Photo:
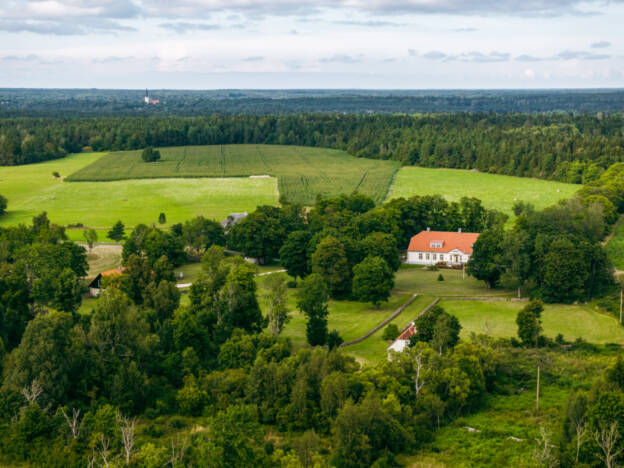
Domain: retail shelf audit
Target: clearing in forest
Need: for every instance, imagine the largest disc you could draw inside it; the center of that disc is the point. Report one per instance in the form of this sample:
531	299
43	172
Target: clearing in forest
302	172
495	191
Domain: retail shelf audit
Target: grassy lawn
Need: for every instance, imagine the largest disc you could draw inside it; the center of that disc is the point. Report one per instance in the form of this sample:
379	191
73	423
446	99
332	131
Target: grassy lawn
615	247
31	189
423	281
572	321
496	191
302	172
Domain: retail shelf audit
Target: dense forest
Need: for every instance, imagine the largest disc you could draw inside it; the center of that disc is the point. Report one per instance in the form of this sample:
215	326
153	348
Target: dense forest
100	102
565	147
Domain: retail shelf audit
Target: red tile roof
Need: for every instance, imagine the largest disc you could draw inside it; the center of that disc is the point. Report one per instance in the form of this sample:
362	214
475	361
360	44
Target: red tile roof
116	271
407	334
450	241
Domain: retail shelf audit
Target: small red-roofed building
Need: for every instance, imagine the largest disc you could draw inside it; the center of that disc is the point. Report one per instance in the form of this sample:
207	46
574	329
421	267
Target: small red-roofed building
95	287
432	247
402	340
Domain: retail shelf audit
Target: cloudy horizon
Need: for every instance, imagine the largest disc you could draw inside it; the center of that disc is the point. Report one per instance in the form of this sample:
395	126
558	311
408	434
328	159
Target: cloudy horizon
286	44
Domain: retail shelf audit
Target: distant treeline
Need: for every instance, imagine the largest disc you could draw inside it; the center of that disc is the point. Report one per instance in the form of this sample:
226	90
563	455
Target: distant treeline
98	102
571	148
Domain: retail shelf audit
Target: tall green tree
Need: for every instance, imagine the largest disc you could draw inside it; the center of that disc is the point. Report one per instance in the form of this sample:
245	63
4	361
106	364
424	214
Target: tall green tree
117	232
91	237
276	294
330	261
294	254
312	301
373	280
233	439
485	262
200	233
379	244
530	323
46	359
239	306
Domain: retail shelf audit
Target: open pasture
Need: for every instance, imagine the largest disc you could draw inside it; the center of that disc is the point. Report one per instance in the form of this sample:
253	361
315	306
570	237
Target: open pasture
572	321
496	191
302	173
32	189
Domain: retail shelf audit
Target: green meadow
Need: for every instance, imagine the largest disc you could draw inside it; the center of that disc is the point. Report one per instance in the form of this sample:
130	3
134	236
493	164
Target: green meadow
496	191
302	172
572	321
32	189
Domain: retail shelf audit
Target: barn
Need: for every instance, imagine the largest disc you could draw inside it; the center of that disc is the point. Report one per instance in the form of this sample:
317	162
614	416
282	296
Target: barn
95	287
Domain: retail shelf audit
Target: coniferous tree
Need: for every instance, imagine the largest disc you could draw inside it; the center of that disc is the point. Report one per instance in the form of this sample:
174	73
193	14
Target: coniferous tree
117	232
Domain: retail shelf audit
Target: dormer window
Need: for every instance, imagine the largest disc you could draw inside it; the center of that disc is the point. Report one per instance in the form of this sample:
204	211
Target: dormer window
436	244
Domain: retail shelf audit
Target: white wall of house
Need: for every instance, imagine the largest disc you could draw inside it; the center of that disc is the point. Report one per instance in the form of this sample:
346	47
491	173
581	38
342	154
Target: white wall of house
454	257
398	346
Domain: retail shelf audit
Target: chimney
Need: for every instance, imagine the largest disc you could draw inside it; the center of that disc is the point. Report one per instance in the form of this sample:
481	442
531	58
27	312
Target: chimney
428	229
459	230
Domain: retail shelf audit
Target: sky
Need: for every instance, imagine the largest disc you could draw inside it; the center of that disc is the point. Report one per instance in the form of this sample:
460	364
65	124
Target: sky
286	44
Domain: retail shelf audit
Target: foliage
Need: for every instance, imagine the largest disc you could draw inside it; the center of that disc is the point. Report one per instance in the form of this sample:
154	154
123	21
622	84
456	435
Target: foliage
261	234
530	323
485	263
117	232
372	280
276	295
438	328
329	260
149	154
90	236
294	254
391	332
200	233
312	301
3	204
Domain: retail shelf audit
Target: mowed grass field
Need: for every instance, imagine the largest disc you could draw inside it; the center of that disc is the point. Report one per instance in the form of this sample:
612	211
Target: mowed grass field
572	321
32	189
496	191
302	172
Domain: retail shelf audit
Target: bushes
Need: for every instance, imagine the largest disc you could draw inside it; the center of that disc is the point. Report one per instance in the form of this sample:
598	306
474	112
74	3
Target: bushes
390	333
149	154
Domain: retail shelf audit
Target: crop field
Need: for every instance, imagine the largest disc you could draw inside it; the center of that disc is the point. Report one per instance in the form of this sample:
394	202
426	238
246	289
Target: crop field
496	191
32	189
302	173
572	321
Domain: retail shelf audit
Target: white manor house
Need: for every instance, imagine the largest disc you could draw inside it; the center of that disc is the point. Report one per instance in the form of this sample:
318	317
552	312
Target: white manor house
431	247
